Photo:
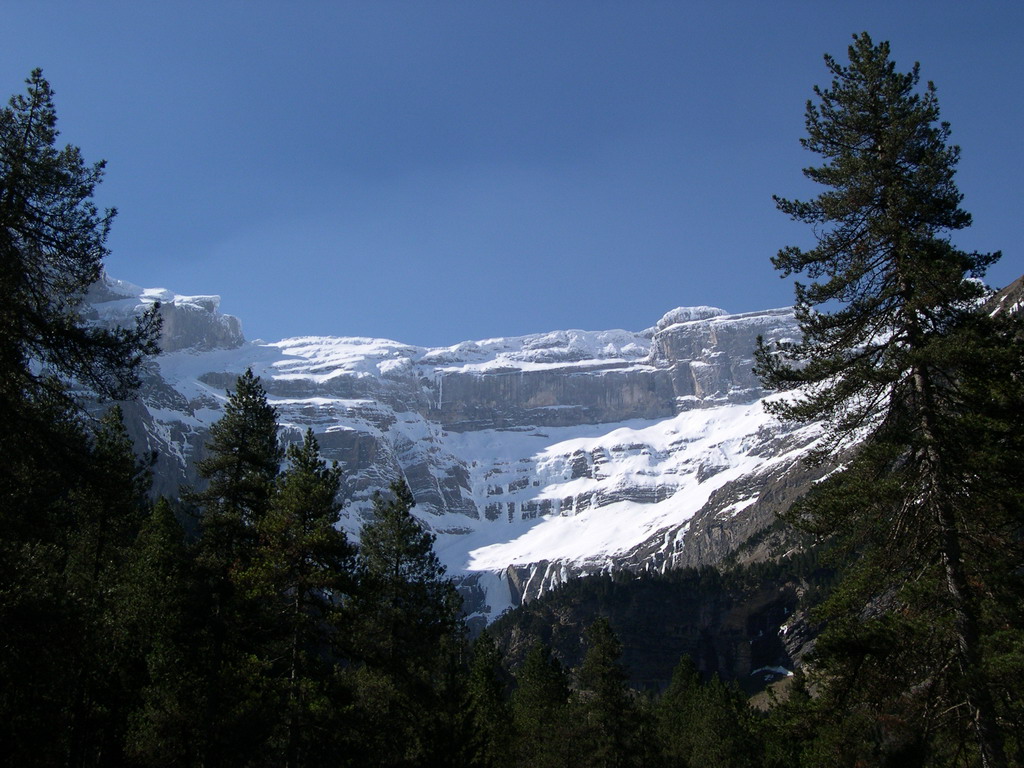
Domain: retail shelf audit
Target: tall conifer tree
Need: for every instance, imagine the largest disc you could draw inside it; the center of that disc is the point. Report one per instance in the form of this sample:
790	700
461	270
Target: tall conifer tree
52	245
407	628
489	712
678	712
611	715
244	458
160	600
242	465
107	511
411	603
53	242
545	737
302	572
891	337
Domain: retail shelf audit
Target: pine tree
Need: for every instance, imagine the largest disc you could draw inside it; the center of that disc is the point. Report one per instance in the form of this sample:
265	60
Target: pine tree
892	348
243	461
242	465
302	570
488	705
407	625
109	510
608	706
106	512
722	728
541	712
52	246
413	604
161	604
704	723
52	243
787	730
64	663
677	714
244	458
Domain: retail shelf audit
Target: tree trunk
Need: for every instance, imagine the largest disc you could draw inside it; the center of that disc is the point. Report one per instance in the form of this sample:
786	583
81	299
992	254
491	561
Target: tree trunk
965	615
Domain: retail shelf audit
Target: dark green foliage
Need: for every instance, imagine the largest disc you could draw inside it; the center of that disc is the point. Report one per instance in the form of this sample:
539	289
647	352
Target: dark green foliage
407	601
896	352
109	508
302	572
677	714
161	598
52	246
64	665
610	714
723	728
53	473
601	674
447	724
888	285
787	731
242	465
487	703
243	459
727	622
407	637
106	514
702	724
545	733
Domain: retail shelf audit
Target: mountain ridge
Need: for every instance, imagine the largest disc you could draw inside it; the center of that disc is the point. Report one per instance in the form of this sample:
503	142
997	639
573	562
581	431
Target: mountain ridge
533	459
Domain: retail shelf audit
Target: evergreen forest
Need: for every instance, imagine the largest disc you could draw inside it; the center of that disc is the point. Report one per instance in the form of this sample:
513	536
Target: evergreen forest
237	625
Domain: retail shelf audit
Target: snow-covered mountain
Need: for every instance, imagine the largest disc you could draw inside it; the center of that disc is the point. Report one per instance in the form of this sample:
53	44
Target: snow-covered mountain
533	459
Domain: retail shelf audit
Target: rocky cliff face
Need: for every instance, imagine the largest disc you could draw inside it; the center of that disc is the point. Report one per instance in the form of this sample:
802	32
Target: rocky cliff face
534	459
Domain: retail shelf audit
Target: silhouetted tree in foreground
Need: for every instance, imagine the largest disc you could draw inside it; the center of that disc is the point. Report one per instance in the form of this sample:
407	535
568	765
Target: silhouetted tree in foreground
896	354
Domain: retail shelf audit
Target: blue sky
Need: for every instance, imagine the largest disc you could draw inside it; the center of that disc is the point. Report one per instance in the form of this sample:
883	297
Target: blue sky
439	171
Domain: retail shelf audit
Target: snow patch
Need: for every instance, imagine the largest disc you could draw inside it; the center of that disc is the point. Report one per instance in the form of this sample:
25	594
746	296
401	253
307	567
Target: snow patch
688	314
